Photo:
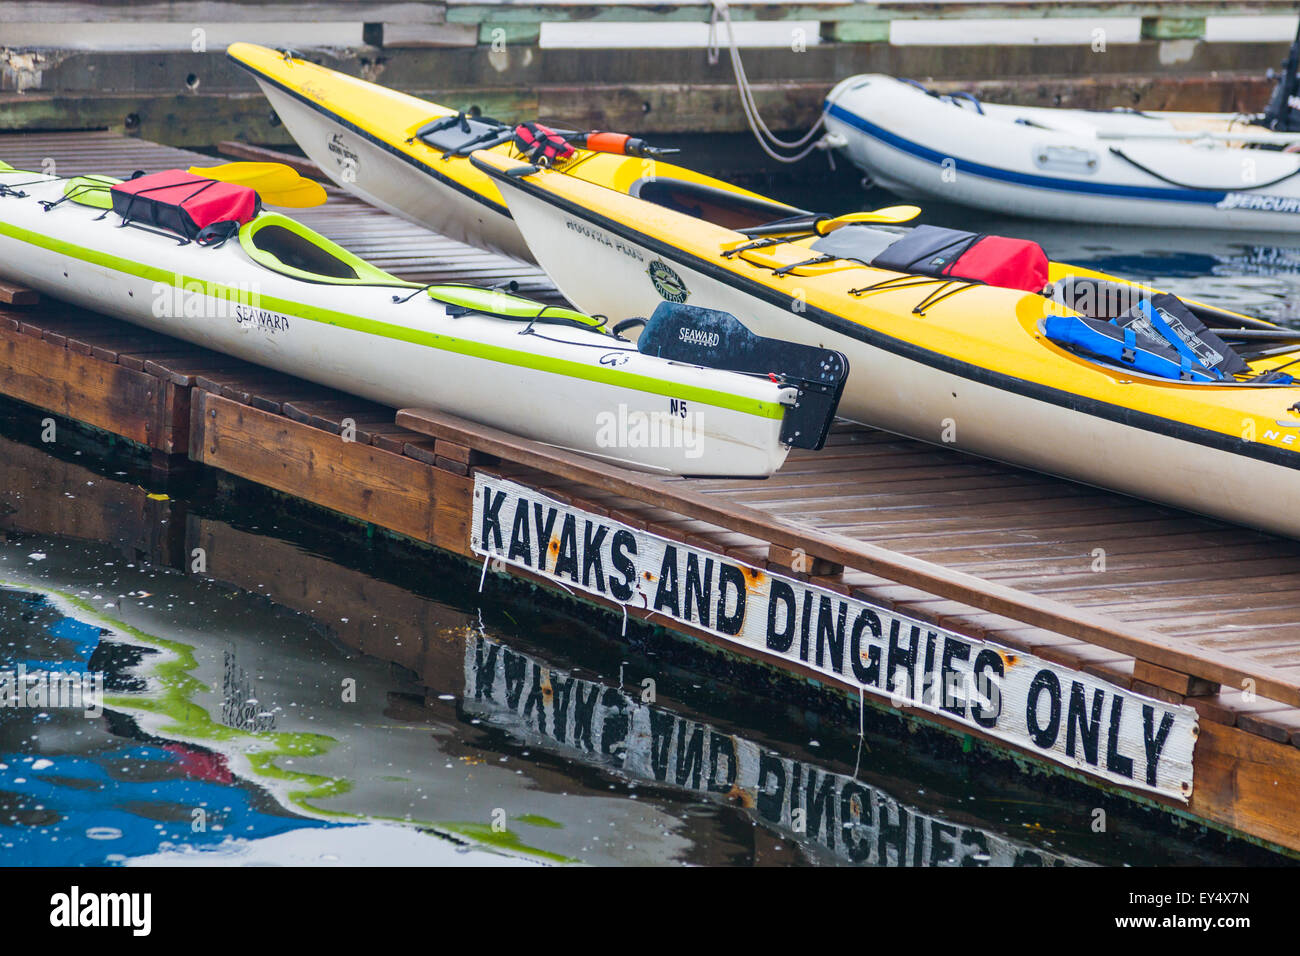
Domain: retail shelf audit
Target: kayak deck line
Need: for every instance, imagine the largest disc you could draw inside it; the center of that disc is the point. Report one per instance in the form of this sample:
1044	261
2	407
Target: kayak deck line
964	545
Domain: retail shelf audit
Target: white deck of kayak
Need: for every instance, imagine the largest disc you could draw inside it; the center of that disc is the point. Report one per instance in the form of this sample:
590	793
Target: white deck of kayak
1184	608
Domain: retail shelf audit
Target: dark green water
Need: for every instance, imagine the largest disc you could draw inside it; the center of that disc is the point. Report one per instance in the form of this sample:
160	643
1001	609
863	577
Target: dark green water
316	693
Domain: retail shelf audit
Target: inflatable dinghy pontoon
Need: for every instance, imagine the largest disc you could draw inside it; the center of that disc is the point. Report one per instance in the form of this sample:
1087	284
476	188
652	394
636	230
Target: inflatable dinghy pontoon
1125	167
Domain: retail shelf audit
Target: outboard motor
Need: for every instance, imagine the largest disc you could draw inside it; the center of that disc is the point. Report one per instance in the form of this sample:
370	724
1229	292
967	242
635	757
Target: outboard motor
713	339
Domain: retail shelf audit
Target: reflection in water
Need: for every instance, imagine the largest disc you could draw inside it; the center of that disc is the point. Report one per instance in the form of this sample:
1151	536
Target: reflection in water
348	701
829	813
76	790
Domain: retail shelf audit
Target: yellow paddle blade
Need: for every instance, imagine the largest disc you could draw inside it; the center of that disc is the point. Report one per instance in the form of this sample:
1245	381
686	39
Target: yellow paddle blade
302	196
276	183
4	165
888	215
273	175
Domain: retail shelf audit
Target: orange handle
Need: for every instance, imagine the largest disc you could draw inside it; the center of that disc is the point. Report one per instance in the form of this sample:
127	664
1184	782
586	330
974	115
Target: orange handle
608	142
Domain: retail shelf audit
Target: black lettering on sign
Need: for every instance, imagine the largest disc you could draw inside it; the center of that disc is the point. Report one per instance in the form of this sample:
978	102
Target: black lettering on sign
805	626
900	658
1077	720
953	649
699	591
730	578
1155	742
866	674
543	532
624	543
830	636
566	562
520	535
1044	735
666	596
931	640
591	546
987	663
1115	761
490	526
781	595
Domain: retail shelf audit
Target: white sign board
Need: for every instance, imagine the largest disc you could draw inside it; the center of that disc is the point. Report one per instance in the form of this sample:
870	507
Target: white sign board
1064	715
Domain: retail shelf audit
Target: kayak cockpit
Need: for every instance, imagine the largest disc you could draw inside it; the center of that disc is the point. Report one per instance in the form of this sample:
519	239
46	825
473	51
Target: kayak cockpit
722	207
1158	335
288	247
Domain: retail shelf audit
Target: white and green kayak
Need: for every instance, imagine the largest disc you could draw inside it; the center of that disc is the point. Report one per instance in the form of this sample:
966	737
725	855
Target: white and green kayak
280	295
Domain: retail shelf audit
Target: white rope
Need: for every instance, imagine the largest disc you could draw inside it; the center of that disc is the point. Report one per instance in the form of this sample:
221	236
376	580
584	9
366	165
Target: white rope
761	132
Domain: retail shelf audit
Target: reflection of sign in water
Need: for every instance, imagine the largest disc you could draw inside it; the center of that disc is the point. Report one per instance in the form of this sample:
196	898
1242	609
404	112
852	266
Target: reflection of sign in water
840	815
240	707
1061	714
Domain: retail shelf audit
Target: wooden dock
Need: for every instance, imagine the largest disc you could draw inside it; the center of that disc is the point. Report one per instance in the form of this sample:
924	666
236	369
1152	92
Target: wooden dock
1123	604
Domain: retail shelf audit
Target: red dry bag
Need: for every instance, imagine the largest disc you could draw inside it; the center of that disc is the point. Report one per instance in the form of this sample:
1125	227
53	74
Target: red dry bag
200	209
1002	262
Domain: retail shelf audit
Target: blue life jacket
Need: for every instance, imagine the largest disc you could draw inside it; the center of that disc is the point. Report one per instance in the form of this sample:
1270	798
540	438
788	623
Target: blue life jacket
1119	346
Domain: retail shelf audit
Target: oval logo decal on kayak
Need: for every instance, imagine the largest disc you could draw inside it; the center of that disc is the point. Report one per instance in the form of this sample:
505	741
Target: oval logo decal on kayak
667	282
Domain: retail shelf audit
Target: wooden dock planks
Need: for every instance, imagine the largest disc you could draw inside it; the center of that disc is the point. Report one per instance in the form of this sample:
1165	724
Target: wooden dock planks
354	479
107	395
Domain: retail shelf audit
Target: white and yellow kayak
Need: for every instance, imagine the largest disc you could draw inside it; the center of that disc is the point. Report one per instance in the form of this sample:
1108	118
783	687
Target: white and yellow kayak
410	157
282	296
1006	373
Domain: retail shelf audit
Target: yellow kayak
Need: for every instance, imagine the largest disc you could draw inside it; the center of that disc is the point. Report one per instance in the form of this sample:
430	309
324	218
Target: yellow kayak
1054	373
410	157
1007	373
